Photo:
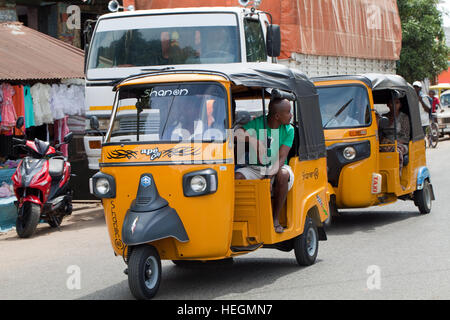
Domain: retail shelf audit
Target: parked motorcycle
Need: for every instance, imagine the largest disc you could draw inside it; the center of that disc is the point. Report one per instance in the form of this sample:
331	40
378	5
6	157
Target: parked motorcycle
41	184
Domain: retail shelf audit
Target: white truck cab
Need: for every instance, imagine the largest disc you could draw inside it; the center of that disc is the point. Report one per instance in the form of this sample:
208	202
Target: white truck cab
134	42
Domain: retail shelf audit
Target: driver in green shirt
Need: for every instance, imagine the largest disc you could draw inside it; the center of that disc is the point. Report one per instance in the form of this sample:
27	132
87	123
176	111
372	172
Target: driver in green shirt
269	159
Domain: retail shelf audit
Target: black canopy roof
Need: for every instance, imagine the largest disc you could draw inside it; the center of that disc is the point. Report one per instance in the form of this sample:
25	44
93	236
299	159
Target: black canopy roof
274	76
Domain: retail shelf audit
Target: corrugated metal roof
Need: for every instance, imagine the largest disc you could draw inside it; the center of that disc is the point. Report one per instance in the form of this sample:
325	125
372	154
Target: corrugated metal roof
26	54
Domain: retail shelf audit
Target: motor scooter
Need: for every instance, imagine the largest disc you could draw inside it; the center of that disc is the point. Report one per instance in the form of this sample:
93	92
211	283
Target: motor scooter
41	184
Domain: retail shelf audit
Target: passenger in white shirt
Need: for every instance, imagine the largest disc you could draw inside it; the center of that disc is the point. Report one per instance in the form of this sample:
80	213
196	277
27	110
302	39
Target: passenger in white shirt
424	106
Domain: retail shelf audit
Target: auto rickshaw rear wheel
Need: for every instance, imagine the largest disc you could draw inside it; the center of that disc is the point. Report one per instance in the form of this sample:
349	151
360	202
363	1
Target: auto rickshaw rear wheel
422	198
306	245
144	272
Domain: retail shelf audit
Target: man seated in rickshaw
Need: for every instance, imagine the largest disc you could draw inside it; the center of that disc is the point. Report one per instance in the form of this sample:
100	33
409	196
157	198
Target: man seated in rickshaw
387	135
281	175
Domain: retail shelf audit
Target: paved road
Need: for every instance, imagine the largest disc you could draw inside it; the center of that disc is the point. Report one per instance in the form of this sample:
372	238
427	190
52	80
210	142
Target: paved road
410	254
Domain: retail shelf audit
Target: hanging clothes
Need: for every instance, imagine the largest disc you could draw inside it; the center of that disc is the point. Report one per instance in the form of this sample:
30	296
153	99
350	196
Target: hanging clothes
61	128
74	100
18	106
56	104
41	102
8	112
28	105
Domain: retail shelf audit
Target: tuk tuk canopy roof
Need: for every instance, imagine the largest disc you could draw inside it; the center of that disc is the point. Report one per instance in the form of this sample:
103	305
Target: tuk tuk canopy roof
274	76
378	82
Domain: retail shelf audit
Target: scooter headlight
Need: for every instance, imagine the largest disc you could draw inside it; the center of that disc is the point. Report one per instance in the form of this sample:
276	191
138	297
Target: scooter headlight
102	186
349	153
198	184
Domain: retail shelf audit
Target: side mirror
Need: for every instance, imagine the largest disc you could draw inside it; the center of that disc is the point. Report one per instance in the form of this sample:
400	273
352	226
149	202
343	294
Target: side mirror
94	124
383	123
242	117
68	137
273	41
20	122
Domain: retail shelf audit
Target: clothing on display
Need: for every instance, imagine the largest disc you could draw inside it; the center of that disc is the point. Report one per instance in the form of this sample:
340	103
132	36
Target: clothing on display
28	103
8	112
41	102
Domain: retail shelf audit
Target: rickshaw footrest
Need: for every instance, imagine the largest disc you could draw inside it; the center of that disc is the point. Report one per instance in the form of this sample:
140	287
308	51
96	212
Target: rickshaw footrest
252	247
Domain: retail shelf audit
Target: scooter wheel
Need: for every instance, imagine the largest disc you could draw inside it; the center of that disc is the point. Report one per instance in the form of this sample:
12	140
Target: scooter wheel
144	272
26	224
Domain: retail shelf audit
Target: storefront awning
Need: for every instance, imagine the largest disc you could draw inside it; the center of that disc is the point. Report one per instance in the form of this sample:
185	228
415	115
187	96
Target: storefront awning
26	54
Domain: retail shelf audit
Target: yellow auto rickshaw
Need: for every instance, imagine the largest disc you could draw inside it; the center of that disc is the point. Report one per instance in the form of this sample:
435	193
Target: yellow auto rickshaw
176	198
363	169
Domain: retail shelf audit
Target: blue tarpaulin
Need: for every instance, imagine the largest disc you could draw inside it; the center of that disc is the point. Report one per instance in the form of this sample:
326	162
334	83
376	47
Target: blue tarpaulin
8	211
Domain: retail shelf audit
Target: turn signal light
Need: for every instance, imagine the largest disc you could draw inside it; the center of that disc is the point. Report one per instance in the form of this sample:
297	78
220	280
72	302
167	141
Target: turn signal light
95	144
356	133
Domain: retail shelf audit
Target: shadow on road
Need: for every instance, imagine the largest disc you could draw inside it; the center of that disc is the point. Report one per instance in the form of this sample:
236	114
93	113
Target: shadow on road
367	221
213	281
76	221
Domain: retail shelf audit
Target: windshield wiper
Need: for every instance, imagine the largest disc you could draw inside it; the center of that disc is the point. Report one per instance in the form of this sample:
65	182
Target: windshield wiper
158	69
341	109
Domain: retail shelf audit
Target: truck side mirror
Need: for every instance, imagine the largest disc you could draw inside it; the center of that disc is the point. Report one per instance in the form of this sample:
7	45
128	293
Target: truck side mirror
273	41
93	123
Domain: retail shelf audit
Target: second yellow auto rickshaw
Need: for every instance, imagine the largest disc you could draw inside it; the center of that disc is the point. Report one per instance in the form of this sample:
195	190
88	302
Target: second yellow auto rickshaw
364	170
167	171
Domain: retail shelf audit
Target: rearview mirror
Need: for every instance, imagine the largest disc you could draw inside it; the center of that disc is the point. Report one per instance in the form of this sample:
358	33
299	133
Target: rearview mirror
68	137
383	123
273	42
20	122
93	123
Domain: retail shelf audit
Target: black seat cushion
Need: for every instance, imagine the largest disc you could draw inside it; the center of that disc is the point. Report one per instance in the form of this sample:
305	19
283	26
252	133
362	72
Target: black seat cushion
56	167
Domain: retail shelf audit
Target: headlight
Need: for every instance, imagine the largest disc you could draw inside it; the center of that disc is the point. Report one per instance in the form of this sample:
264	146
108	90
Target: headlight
349	153
198	184
102	186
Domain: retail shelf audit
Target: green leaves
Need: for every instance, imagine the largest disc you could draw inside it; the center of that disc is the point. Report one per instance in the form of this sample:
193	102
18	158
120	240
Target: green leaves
424	52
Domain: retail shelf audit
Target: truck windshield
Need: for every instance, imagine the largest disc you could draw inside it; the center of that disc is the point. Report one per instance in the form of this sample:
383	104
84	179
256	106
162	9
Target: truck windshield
344	106
173	112
171	39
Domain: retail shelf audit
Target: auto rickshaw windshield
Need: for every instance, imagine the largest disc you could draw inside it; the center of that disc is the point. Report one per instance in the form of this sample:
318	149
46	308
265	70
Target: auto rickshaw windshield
170	112
344	106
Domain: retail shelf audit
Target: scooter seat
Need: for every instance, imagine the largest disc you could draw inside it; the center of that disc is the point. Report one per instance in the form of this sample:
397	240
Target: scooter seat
56	167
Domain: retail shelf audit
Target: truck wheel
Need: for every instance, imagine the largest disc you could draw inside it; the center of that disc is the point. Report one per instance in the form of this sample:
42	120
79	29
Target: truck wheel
27	223
422	198
306	245
144	272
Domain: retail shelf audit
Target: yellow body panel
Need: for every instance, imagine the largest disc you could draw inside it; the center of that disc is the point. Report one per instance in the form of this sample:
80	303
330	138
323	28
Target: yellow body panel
239	213
355	180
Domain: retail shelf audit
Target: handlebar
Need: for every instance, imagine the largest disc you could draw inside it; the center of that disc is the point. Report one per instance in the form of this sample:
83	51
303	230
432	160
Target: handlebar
19	141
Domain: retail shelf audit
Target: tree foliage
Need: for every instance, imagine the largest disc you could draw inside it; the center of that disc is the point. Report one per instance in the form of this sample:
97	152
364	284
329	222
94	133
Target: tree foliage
424	51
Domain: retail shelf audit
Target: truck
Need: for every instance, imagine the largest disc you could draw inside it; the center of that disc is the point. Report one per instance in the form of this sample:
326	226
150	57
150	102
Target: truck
318	37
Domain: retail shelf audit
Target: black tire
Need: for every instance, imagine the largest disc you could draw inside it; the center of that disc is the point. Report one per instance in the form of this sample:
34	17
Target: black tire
423	198
56	221
144	285
306	245
26	225
434	134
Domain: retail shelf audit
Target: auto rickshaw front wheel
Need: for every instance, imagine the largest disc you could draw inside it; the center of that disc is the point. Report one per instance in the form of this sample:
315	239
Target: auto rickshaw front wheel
144	272
306	245
422	198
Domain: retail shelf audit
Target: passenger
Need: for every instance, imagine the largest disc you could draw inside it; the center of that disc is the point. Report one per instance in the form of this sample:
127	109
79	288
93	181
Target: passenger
403	131
424	106
184	121
281	175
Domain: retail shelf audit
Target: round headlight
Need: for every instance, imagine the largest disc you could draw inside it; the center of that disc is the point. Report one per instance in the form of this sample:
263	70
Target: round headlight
198	184
349	153
102	186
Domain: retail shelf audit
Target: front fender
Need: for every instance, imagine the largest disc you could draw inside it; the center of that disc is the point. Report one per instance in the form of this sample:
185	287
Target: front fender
423	174
144	227
30	198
